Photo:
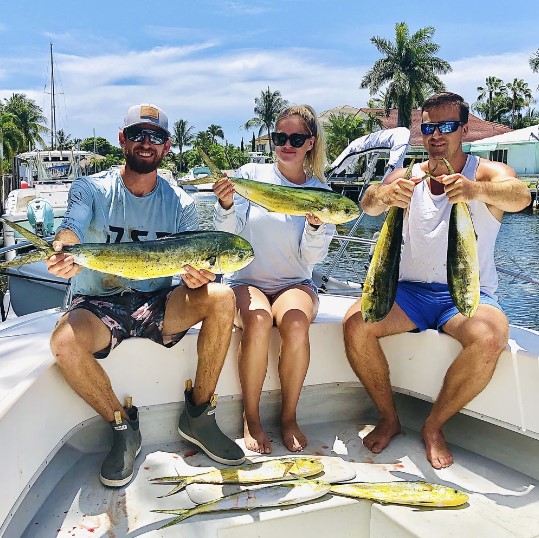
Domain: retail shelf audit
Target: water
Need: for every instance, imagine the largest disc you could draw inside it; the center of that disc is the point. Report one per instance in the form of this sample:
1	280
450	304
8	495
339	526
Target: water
516	250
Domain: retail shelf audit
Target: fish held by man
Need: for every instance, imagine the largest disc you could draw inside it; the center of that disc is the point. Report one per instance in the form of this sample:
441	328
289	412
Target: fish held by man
255	473
462	258
219	252
380	287
281	494
409	493
328	206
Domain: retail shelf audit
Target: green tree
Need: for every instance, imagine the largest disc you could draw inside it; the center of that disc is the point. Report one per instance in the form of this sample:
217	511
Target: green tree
204	140
340	130
11	138
215	131
101	146
267	107
182	136
494	87
521	96
409	69
30	120
534	62
63	140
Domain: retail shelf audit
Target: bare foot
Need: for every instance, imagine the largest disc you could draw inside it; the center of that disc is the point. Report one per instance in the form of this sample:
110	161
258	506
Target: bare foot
293	437
437	452
255	438
379	438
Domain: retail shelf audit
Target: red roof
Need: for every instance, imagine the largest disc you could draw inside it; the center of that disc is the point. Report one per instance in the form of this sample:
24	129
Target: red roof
477	128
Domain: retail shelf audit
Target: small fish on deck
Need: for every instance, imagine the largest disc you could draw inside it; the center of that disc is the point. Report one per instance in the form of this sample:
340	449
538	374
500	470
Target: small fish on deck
281	494
271	470
327	205
219	252
404	492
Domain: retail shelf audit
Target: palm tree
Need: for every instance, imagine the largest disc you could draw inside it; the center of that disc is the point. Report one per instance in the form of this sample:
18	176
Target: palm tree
410	70
11	137
267	107
521	96
534	61
182	136
204	140
493	87
30	119
63	140
216	131
340	130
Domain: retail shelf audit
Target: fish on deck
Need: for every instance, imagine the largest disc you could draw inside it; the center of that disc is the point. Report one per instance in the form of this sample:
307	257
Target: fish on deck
219	252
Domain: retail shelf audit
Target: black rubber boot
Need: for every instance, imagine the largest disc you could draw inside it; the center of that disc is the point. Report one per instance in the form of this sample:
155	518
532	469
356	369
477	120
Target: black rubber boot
198	425
117	469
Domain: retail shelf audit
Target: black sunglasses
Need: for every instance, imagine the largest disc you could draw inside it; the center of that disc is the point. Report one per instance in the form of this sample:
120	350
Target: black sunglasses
296	139
138	134
444	127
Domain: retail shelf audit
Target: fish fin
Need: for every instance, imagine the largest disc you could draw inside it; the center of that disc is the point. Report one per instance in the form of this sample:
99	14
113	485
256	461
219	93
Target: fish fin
37	241
174	490
215	171
183	513
31	257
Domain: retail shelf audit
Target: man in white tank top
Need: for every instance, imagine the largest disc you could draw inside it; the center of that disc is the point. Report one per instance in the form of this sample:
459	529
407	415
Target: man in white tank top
423	300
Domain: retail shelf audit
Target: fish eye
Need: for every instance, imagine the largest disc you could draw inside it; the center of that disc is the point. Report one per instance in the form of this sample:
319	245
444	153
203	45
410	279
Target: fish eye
211	260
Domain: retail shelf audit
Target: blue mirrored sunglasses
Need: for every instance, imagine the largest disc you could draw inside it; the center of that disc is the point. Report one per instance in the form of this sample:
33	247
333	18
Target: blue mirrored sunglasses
138	134
444	127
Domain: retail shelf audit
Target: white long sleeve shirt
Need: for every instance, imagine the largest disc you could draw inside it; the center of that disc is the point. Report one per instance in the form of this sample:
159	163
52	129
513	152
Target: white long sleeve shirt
286	247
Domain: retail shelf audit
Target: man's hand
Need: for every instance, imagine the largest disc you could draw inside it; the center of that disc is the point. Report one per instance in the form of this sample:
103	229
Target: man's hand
398	193
62	265
195	279
458	188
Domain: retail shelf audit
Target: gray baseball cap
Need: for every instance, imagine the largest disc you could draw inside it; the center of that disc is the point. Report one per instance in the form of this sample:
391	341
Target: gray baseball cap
146	113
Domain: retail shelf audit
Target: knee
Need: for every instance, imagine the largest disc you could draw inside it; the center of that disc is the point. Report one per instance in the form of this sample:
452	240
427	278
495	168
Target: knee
63	343
354	328
295	329
493	342
222	299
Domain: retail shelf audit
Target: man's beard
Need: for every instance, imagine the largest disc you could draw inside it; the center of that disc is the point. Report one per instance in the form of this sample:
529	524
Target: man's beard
140	166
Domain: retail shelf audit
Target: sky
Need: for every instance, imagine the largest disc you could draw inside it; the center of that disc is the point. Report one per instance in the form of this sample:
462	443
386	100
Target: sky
205	61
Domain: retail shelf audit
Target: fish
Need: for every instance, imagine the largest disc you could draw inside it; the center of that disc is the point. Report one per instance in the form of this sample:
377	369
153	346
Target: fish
280	494
271	470
410	493
462	258
219	252
380	287
328	206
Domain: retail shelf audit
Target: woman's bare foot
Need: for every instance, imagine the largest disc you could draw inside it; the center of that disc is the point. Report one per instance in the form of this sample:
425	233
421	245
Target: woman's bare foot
379	438
293	437
437	452
255	438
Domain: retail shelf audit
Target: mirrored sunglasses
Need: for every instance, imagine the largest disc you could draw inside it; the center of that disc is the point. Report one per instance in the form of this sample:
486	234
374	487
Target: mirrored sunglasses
296	139
138	134
444	127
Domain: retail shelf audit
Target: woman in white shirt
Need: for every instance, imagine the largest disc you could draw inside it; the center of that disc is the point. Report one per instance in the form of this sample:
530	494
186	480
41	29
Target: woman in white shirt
277	287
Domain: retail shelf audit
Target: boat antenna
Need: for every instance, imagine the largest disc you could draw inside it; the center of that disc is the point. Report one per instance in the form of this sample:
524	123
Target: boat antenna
53	105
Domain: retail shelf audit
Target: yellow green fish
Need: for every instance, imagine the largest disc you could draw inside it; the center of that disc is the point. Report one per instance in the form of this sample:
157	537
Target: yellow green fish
219	252
281	494
462	258
255	473
380	287
410	493
327	205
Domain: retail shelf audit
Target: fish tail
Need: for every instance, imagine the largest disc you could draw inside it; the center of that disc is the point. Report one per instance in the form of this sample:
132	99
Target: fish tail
215	171
183	513
175	489
37	241
31	257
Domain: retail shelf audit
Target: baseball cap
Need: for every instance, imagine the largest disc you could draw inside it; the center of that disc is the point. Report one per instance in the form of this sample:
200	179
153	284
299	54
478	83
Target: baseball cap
146	113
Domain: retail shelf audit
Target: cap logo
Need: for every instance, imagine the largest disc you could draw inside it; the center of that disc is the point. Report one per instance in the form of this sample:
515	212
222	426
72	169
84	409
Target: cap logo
149	112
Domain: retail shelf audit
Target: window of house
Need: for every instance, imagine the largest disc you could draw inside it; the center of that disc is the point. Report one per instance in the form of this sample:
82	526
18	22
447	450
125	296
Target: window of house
499	155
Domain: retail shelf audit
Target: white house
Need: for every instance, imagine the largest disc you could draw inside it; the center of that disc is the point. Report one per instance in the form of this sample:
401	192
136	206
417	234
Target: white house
519	149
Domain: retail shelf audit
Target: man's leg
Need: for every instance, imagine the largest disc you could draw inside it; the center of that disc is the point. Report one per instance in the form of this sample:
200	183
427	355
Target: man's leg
483	337
370	365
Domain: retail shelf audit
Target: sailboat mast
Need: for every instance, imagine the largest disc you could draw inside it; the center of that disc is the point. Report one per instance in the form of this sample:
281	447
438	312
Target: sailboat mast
53	106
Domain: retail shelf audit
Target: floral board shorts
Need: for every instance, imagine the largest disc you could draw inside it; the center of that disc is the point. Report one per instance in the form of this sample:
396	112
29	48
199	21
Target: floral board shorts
130	314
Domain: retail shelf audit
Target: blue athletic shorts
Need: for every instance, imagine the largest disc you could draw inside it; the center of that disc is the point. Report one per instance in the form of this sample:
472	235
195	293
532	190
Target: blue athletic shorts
130	314
430	306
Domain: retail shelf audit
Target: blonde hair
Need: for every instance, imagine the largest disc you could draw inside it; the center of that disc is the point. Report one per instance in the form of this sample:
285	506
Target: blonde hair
315	159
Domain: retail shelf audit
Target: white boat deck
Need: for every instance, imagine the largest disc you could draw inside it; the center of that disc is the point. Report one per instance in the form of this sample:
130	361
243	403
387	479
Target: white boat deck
53	443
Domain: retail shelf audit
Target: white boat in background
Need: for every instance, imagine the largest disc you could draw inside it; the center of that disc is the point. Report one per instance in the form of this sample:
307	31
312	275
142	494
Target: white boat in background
196	173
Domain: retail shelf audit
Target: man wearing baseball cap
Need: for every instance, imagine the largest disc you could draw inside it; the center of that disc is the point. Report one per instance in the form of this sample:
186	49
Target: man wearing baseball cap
135	204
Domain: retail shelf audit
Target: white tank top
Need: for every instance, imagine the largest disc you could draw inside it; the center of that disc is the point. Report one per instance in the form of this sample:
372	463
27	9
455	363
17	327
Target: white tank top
426	223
